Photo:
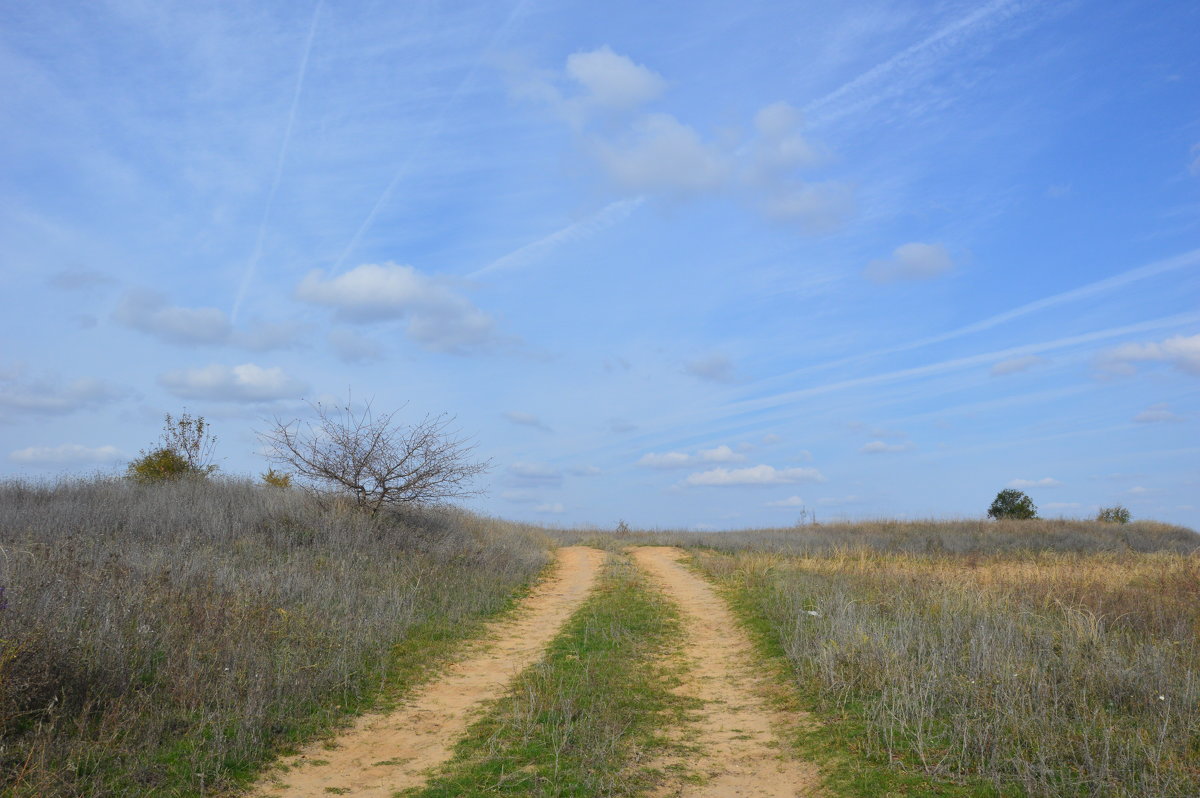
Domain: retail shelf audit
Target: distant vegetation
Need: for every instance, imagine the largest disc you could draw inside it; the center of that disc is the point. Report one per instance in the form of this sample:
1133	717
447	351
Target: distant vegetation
1013	505
1037	657
165	638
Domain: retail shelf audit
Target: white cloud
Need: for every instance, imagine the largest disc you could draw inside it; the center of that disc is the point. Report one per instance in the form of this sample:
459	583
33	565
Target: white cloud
519	496
148	312
535	473
813	207
1157	413
881	447
584	471
645	152
755	475
526	420
718	454
550	507
714	368
1044	482
665	460
1015	365
48	396
912	261
438	318
662	155
614	81
1182	352
791	501
65	454
779	144
350	347
245	383
771	438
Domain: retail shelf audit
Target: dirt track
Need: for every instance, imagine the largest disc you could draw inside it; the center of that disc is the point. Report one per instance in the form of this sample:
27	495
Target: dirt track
385	753
737	751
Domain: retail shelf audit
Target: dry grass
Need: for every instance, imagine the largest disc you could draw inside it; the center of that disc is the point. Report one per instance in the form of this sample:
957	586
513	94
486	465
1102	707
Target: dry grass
1047	674
164	639
965	537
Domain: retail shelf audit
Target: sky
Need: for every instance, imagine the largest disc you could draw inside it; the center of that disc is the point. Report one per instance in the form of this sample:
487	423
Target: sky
706	265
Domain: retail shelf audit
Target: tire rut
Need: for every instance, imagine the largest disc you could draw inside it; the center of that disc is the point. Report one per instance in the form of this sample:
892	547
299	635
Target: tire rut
733	741
385	753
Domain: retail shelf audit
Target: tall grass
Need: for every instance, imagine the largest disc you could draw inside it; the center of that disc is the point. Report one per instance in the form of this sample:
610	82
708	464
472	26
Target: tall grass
164	639
1043	674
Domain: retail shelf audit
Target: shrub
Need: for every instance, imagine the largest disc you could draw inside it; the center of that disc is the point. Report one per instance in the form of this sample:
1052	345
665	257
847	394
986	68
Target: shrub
277	479
1117	514
185	449
158	465
1012	504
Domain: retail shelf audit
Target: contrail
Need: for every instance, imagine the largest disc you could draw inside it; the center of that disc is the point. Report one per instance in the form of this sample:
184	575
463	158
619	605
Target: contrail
434	128
941	40
606	217
1181	261
252	266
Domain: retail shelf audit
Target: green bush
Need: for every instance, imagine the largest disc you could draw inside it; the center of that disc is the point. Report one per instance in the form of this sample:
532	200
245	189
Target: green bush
1117	514
277	479
1012	504
184	450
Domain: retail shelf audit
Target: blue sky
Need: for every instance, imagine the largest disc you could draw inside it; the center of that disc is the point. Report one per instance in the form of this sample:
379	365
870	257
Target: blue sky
703	265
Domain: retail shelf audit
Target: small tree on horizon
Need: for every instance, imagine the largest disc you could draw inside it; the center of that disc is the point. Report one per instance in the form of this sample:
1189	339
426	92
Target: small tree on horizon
373	459
1117	514
1011	503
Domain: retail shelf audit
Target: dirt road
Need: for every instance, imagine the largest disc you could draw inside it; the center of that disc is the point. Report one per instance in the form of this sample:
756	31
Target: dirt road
737	750
385	753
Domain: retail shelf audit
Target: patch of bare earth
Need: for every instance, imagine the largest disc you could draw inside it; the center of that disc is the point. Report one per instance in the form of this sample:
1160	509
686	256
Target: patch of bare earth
382	754
734	740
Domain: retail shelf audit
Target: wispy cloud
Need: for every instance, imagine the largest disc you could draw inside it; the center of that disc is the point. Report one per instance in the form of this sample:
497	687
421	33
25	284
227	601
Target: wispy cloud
1044	482
247	382
526	420
754	475
66	454
1182	352
609	215
912	261
436	316
717	454
910	66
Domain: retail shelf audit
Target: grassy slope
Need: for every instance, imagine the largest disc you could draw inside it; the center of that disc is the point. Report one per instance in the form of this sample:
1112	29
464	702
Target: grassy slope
586	719
167	640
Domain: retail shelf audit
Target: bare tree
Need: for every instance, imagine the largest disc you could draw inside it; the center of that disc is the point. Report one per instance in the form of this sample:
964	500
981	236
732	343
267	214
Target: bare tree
379	462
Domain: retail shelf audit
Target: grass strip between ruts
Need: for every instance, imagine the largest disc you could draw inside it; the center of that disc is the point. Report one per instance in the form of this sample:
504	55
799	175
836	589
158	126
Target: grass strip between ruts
587	719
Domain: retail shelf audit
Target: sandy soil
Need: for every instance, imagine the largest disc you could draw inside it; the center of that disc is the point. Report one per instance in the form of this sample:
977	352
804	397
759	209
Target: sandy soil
385	753
735	747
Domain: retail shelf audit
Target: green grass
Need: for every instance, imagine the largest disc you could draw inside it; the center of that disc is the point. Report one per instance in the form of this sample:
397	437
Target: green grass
588	718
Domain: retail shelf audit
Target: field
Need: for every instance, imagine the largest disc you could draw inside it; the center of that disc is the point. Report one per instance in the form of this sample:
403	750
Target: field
177	639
